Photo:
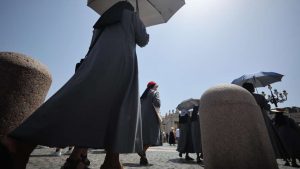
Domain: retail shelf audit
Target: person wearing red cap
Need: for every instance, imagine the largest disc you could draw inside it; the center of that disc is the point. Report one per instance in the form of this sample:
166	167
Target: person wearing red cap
150	104
151	84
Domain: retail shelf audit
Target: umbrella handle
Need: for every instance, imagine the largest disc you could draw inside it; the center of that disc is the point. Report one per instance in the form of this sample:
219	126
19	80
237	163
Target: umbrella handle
273	98
137	7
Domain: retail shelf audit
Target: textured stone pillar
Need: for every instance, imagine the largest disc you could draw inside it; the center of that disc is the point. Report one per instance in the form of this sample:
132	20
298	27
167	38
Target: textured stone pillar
234	135
24	83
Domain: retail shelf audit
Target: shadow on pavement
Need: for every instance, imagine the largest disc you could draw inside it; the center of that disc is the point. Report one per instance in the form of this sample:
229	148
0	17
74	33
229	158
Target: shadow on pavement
97	151
182	160
43	155
135	165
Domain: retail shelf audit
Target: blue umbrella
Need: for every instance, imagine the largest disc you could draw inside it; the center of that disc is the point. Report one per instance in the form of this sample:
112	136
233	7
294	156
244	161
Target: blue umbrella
260	79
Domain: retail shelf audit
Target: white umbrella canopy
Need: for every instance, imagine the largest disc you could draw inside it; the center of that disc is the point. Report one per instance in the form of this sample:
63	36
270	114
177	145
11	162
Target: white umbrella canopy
188	104
151	12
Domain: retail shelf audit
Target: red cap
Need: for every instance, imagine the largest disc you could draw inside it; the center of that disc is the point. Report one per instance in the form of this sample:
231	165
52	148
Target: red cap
151	83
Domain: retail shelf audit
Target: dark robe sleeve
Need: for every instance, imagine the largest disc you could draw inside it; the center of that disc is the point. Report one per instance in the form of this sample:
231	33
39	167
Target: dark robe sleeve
156	100
141	35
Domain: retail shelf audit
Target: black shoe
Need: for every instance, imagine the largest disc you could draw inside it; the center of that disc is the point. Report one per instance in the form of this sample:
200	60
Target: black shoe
85	160
5	159
73	164
286	163
144	161
295	165
141	154
199	160
188	158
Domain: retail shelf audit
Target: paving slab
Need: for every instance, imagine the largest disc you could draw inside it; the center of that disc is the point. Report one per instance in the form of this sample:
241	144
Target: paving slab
162	157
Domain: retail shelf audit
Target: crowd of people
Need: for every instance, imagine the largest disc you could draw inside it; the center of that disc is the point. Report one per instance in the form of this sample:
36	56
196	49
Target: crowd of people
283	131
187	136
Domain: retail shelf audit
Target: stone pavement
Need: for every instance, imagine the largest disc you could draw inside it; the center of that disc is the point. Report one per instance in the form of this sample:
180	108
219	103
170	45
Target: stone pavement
164	157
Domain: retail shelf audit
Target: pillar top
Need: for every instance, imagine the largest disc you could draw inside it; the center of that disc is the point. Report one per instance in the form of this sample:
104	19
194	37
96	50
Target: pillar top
24	61
226	94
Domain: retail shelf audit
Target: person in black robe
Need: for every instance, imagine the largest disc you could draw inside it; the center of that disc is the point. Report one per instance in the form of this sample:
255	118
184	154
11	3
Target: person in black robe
185	143
289	132
101	99
276	142
196	133
77	151
167	137
150	104
172	137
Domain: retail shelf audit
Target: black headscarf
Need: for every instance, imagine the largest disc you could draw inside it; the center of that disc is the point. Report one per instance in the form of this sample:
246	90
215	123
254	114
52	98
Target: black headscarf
113	14
280	119
78	64
144	95
249	87
195	113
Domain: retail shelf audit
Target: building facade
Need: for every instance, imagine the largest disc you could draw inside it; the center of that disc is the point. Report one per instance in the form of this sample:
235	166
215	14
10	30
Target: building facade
171	119
292	112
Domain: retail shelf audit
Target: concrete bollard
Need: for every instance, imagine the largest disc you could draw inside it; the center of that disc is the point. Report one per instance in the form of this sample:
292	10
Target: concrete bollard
234	135
24	83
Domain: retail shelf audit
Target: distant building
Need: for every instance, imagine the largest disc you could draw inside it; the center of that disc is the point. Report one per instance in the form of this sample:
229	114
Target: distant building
171	119
293	112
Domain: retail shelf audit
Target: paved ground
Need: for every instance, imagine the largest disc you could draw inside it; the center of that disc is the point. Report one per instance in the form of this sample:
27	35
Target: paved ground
164	157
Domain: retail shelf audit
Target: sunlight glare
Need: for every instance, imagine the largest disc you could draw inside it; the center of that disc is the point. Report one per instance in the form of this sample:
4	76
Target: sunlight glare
206	7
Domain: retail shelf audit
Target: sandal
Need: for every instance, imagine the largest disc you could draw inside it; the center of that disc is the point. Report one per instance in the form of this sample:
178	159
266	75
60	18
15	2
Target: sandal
6	160
85	160
72	164
144	161
199	160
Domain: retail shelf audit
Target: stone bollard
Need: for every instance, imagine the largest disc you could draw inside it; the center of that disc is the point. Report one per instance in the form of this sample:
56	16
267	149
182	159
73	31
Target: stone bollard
24	83
234	135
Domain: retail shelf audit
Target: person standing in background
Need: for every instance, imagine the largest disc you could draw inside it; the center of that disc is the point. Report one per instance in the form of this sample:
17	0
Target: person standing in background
185	144
167	137
151	120
276	141
289	132
177	134
196	133
172	137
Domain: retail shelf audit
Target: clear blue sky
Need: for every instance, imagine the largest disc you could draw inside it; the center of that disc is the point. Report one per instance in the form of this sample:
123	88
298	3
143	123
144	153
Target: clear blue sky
208	42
